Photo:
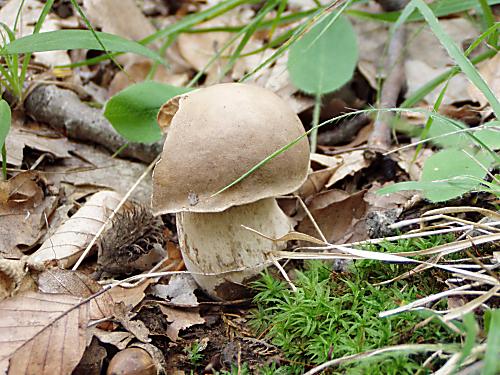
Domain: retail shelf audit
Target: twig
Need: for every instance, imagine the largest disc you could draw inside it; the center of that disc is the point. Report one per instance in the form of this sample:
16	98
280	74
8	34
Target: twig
64	111
381	135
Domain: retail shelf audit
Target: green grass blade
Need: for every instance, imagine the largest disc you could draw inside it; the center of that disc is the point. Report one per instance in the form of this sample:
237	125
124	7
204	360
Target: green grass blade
76	39
489	19
453	50
5	120
423	91
441	8
491	362
38	26
173	29
249	30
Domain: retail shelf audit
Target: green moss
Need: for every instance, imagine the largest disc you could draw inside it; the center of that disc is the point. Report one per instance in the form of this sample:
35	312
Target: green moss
332	315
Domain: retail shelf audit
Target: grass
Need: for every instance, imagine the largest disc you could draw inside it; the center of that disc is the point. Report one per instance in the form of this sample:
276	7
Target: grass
333	315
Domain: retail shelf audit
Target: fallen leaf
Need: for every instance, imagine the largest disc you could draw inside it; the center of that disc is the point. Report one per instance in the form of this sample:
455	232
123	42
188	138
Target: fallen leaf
345	164
14	278
42	333
180	319
137	71
93	170
23	212
130	297
336	212
427	58
179	291
92	360
135	327
316	182
199	49
77	284
118	339
65	246
20	137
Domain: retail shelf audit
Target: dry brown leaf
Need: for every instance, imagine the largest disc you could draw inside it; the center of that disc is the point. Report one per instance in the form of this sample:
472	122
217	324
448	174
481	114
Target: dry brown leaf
344	164
135	327
65	246
23	210
77	284
130	297
180	319
137	71
14	278
381	202
199	49
426	58
42	333
93	169
130	24
20	137
122	18
92	360
179	291
316	182
336	213
118	339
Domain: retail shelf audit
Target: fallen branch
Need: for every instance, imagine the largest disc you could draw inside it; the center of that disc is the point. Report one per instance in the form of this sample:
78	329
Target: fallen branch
392	86
64	111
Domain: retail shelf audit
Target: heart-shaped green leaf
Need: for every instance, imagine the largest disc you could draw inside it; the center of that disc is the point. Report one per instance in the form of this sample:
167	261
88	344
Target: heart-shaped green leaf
133	111
324	59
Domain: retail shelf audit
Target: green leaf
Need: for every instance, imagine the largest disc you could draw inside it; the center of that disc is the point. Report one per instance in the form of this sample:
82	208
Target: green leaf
76	39
491	362
441	127
447	174
324	59
133	111
490	137
5	119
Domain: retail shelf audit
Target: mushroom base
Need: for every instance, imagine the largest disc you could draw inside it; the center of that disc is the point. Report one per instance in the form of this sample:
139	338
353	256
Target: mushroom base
216	243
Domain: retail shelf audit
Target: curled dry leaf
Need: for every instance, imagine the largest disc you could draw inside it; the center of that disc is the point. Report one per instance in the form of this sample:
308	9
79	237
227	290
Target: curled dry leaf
14	278
345	164
118	339
135	327
68	242
23	210
180	319
42	333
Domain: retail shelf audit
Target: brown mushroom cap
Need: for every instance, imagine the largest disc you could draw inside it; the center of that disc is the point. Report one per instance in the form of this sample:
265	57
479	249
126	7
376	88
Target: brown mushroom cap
218	133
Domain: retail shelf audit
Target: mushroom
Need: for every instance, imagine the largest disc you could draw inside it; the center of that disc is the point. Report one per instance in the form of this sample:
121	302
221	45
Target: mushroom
215	135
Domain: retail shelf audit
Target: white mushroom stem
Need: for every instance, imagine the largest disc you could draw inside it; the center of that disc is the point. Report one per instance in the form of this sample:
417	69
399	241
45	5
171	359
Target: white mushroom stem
217	243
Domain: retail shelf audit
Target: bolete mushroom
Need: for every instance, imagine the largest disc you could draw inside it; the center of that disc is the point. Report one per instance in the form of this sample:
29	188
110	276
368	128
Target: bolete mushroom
215	135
